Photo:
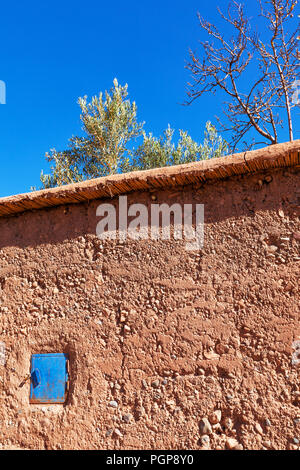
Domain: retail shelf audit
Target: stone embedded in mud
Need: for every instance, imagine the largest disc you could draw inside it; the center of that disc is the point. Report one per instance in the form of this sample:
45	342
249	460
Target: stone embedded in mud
222	348
258	428
228	423
145	385
123	316
155	384
127	418
210	355
205	440
272	248
232	444
215	417
118	433
205	426
113	404
292	446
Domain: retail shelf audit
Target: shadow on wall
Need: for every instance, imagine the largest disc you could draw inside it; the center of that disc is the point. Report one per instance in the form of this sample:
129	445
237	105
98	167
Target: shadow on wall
238	197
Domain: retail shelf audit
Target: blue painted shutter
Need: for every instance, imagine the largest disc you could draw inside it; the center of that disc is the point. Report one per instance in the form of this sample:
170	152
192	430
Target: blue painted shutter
49	378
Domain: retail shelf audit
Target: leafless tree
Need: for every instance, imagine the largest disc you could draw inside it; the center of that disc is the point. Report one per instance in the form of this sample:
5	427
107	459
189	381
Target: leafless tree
263	99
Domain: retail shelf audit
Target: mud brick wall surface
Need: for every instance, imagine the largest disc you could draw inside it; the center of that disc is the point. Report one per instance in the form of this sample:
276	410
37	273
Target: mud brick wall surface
169	349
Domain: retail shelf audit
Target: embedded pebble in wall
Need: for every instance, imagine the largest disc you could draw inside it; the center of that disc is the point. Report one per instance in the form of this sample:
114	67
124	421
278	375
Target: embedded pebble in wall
215	417
205	426
205	441
118	433
128	418
155	384
113	404
258	428
232	444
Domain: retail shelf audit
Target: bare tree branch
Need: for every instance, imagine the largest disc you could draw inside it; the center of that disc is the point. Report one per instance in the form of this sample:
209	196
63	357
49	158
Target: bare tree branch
273	64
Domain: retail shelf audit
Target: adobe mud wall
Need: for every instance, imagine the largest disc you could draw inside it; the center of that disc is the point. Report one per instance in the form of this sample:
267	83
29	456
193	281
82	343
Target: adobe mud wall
169	349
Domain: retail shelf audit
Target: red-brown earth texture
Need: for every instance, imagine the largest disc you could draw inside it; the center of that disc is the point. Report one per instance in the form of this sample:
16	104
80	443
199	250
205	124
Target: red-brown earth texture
169	349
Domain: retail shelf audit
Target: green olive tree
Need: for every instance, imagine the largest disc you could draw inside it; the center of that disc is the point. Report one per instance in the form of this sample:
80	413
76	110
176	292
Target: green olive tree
110	128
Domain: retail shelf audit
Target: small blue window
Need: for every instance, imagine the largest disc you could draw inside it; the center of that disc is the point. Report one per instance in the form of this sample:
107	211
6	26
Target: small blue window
49	378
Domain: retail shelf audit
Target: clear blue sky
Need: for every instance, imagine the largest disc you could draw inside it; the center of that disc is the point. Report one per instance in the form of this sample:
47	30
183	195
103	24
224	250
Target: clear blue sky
54	52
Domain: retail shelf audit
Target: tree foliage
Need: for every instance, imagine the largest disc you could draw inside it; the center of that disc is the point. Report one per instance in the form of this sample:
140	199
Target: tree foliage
159	152
109	124
110	128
